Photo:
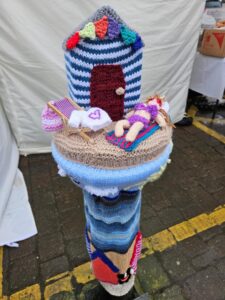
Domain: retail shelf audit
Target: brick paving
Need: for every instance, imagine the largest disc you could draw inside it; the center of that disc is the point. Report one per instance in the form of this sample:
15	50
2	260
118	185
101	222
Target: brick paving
193	269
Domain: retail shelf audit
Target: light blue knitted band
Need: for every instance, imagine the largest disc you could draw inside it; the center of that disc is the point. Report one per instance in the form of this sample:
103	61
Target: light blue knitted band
104	178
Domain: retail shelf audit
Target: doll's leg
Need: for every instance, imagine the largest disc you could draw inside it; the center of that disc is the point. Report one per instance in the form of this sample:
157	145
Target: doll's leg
120	126
161	121
133	131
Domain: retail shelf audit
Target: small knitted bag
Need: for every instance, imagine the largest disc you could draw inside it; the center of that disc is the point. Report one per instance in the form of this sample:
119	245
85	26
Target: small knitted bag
50	121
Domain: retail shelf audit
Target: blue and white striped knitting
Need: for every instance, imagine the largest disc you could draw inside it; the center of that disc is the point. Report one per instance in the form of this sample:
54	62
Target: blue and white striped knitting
90	52
81	60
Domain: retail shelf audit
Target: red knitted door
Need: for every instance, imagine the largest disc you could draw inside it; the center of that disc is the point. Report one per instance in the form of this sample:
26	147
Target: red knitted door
105	82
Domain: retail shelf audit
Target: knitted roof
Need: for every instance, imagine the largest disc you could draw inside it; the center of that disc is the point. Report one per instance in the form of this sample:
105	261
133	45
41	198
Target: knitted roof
111	16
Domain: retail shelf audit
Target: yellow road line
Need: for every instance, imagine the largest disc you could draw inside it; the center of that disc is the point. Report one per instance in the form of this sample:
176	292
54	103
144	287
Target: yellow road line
210	131
216	121
192	112
32	292
158	242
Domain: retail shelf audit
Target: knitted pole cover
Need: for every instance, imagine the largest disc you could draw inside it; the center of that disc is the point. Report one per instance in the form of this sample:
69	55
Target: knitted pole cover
103	66
113	239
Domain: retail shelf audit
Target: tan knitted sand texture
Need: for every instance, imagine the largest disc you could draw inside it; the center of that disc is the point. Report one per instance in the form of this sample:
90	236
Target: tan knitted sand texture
102	154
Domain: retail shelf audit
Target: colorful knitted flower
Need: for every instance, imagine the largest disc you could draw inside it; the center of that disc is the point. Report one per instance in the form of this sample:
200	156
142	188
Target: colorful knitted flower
128	36
88	31
101	27
113	28
73	41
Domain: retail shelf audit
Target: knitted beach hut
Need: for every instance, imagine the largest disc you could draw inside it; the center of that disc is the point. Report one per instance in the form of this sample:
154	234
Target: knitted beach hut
103	63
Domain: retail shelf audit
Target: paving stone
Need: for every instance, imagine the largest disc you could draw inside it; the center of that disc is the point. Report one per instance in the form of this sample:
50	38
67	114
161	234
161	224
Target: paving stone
220	149
176	264
170	216
42	198
203	198
25	248
219	196
181	198
76	251
70	200
206	285
151	226
73	223
213	185
218	243
62	184
210	233
160	202
151	275
42	180
147	212
63	296
172	293
192	247
221	268
50	246
191	211
47	219
23	272
54	267
205	259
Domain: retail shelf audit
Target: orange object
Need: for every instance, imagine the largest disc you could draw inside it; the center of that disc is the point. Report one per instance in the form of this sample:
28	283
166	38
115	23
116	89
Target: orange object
101	27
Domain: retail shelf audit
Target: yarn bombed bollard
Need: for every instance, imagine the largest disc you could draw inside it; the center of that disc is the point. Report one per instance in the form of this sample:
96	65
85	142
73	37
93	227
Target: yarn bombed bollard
103	64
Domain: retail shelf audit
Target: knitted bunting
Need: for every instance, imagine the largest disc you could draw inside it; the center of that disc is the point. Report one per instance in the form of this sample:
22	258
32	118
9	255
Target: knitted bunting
101	27
113	28
73	41
138	44
88	31
128	36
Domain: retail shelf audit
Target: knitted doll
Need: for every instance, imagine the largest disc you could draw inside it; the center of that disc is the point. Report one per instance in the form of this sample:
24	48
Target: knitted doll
140	118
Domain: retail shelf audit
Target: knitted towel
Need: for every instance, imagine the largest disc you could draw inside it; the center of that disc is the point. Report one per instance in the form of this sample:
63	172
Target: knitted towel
130	146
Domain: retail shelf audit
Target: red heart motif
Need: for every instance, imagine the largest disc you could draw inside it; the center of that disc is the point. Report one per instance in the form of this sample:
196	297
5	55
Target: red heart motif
95	115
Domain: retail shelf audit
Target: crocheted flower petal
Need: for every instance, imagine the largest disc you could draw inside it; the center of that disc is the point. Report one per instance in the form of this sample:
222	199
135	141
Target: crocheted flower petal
88	31
128	36
73	41
113	28
101	27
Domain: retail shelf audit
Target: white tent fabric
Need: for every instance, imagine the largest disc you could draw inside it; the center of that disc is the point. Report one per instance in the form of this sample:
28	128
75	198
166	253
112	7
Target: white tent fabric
32	62
16	218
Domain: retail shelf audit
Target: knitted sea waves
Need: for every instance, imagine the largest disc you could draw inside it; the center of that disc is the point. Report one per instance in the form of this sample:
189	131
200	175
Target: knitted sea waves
113	238
113	226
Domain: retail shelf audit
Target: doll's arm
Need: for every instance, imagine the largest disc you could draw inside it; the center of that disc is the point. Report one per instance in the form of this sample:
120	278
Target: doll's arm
129	114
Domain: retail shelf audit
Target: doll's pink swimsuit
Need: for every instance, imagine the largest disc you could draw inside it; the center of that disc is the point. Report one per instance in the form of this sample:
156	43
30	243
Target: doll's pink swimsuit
153	110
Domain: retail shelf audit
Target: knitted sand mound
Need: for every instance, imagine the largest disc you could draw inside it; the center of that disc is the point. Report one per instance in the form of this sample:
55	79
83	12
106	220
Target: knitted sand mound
102	154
